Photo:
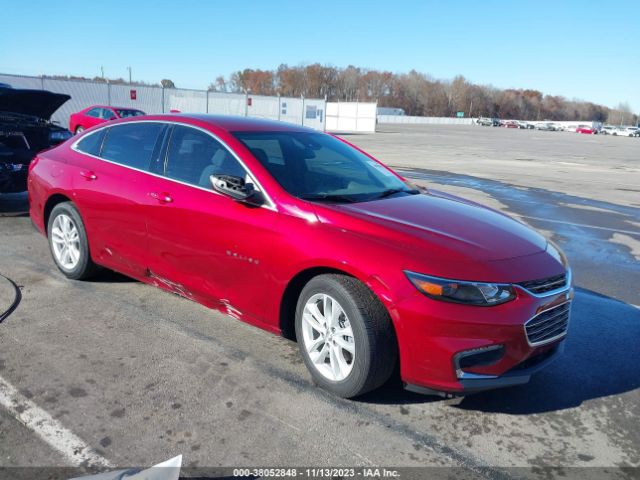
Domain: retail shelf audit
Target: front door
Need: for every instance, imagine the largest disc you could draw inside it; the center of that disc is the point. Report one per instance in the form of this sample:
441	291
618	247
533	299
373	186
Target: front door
202	244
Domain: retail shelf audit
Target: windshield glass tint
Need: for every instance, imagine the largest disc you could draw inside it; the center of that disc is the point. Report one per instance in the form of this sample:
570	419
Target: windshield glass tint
316	166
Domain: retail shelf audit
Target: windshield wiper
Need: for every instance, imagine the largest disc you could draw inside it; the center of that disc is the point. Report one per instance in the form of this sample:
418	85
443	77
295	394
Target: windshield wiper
393	191
328	198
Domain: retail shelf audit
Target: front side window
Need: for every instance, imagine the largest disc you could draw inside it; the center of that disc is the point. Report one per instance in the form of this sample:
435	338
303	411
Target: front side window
316	166
108	114
132	144
128	112
194	156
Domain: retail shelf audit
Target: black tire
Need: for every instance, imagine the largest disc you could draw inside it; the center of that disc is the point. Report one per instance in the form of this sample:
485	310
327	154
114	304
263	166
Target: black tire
373	334
85	267
79	129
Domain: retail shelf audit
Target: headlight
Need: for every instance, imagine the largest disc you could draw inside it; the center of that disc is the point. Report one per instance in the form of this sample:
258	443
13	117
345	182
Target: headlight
468	293
58	136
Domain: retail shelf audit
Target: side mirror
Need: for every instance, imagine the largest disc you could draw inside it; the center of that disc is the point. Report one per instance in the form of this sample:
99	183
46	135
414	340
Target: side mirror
236	188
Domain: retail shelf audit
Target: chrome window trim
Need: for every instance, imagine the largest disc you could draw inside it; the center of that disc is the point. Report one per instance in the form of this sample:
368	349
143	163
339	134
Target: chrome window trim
553	339
550	293
270	203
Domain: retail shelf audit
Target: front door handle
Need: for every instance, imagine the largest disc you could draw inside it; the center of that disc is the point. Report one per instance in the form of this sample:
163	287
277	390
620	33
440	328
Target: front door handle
161	197
89	175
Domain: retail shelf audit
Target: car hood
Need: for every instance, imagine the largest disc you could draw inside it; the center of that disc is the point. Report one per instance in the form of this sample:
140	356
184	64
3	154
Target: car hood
39	103
436	225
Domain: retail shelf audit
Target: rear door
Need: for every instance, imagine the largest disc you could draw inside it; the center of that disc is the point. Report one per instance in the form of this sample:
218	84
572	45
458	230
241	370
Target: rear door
110	175
202	244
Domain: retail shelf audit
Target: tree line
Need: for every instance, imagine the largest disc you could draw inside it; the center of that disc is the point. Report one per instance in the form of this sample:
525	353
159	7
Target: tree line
414	92
417	93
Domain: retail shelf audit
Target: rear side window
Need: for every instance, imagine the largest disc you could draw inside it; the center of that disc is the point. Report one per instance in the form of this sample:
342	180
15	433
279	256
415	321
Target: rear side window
194	156
132	144
91	143
94	112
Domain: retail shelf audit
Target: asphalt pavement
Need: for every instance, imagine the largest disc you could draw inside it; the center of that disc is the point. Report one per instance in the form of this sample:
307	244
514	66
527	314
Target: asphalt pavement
124	374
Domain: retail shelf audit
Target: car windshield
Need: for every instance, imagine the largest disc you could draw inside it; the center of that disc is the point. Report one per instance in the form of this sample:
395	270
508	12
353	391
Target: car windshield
318	167
127	112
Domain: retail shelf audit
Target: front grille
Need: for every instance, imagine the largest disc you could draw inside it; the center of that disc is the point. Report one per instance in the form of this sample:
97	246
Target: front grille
545	284
549	325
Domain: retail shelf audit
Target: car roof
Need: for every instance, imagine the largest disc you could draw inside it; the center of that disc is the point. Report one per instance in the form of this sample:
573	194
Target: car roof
240	124
112	107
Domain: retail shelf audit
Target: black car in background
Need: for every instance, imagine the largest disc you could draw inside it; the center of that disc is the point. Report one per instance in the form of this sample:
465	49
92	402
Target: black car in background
26	129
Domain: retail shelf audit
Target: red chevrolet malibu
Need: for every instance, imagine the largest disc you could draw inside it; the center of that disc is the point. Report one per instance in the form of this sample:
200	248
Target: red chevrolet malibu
300	233
96	114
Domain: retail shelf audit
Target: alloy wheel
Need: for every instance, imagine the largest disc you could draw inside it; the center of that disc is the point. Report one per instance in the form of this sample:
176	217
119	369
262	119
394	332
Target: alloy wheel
328	337
65	241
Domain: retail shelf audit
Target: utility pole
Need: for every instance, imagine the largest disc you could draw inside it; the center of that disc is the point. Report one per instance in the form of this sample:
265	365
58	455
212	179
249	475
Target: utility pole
102	72
129	68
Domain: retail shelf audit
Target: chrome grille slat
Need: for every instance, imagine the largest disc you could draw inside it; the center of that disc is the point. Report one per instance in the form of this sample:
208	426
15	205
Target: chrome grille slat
548	325
536	321
544	331
545	284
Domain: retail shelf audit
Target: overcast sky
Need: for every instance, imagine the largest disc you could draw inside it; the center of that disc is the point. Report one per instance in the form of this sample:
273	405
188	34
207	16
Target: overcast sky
583	49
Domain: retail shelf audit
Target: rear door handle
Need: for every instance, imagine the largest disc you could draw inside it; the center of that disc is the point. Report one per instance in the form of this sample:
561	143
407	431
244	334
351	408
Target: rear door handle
161	197
89	175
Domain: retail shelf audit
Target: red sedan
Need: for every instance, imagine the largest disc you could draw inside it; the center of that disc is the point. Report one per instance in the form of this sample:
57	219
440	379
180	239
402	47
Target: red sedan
97	114
586	129
302	234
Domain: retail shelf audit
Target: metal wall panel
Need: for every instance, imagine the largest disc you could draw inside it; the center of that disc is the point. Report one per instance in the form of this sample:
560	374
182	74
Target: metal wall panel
227	103
351	117
83	94
424	120
147	99
263	107
150	99
186	101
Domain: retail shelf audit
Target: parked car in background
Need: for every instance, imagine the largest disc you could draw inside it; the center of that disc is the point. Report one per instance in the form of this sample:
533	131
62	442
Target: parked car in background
607	129
97	114
25	129
488	122
626	131
510	124
299	232
526	125
550	127
586	129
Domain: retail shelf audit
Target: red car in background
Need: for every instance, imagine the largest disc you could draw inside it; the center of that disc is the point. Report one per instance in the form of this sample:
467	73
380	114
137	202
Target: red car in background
510	124
301	233
586	129
96	114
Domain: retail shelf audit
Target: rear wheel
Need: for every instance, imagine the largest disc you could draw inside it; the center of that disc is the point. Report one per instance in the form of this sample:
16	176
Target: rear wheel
68	242
79	129
345	335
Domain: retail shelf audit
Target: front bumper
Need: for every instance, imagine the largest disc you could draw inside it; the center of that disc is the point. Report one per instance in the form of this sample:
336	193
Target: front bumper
519	375
434	335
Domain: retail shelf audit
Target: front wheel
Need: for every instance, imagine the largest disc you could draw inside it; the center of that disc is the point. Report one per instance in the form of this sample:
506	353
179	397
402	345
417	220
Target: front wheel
79	129
345	335
68	242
